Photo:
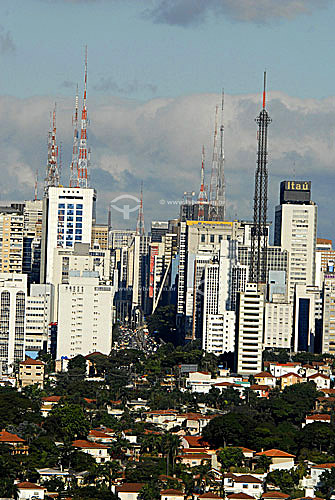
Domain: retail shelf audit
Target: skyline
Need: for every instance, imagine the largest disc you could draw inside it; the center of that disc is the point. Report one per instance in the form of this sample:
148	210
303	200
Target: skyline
142	129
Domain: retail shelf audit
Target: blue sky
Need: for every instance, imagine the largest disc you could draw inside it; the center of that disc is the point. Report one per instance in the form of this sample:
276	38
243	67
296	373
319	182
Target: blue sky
155	73
130	53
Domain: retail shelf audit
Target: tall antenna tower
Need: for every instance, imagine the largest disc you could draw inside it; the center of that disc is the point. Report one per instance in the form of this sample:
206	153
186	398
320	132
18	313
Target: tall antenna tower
83	158
140	219
258	264
214	173
74	162
202	198
52	172
36	185
220	188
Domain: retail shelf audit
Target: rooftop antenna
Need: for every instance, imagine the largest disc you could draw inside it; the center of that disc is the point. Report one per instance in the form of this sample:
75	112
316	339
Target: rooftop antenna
74	162
83	159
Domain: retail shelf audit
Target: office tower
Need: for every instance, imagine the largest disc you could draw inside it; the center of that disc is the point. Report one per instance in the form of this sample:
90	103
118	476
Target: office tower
158	230
328	326
239	279
198	242
100	236
324	256
307	317
138	272
121	238
259	230
278	313
11	240
186	208
218	324
249	330
85	315
295	231
13	295
39	307
79	258
68	216
32	236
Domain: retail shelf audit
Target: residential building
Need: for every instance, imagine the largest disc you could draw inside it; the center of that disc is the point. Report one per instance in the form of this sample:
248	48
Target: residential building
97	450
11	240
328	323
31	372
249	330
100	236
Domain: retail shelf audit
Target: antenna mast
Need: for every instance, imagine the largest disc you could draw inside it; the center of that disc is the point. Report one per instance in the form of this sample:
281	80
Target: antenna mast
52	172
259	237
220	189
214	173
83	160
202	198
74	162
140	219
36	185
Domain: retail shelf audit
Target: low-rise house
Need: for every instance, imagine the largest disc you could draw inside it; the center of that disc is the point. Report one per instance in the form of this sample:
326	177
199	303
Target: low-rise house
17	444
240	496
246	483
48	403
317	417
159	416
247	452
265	378
172	494
129	491
193	459
29	491
31	372
325	403
209	495
279	369
280	459
98	436
97	450
321	381
316	473
194	442
289	379
195	423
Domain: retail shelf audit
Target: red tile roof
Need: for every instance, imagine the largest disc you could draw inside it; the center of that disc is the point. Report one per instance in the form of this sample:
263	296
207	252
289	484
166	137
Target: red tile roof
240	496
30	361
7	437
275	453
324	466
99	434
291	374
210	495
26	485
172	492
275	494
259	387
196	442
246	478
82	443
263	375
130	487
318	416
51	399
316	375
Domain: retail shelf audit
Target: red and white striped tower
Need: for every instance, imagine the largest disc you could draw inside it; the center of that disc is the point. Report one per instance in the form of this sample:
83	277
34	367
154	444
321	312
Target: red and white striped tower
202	198
214	173
83	157
74	162
52	172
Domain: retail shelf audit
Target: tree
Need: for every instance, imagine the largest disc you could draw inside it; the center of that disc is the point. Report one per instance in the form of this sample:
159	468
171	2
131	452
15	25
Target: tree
230	457
150	491
230	429
67	422
327	480
264	463
163	323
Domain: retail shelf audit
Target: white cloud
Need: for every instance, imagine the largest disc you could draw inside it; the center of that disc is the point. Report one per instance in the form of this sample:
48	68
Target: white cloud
160	141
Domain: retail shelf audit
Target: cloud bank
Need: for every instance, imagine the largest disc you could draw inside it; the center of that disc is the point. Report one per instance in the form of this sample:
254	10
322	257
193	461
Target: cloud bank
159	142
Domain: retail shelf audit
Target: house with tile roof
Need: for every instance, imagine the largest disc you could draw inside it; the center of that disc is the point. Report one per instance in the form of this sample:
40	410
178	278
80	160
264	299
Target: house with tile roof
317	417
289	379
321	381
280	460
31	372
128	491
29	491
172	494
265	378
97	450
17	444
248	484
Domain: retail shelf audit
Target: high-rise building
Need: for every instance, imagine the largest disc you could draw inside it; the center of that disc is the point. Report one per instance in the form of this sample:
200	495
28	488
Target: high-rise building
308	312
324	259
278	313
13	296
158	230
39	306
85	315
100	236
249	329
295	231
68	216
11	240
328	324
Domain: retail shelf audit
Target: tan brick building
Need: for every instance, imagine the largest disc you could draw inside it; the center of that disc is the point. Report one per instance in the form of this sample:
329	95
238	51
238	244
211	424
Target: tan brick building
31	372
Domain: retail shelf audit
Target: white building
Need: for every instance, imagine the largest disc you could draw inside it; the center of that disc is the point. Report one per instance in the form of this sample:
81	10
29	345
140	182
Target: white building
68	216
85	315
38	316
328	324
13	296
295	231
249	329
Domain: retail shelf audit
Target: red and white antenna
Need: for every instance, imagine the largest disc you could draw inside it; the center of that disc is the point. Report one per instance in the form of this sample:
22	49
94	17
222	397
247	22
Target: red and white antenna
52	172
83	157
202	198
140	219
74	162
